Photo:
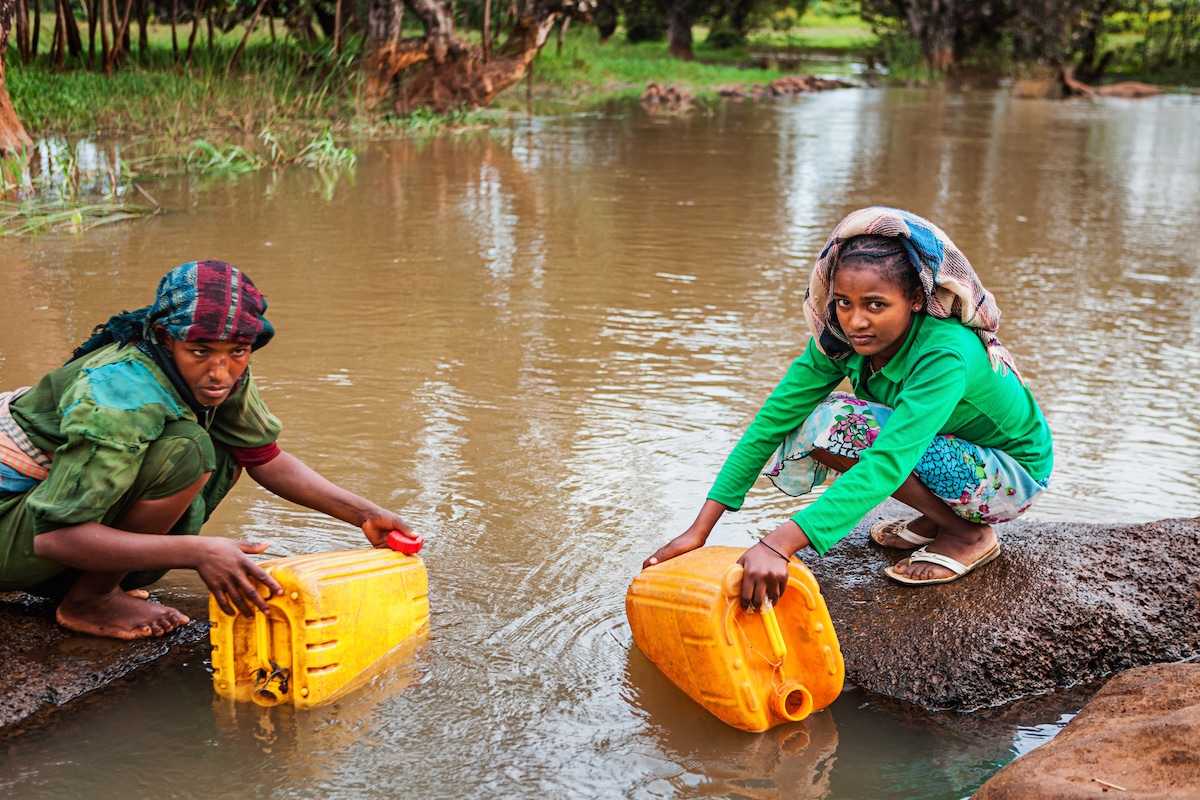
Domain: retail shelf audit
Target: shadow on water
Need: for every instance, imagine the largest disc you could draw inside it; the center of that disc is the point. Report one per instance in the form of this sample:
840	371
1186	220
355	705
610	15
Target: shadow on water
538	343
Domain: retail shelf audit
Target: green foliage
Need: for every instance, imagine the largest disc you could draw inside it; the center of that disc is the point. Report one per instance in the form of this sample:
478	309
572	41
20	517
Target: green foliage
723	37
228	160
901	54
1171	45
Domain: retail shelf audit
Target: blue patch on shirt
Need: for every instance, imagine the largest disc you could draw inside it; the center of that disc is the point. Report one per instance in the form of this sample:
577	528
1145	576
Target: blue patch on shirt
128	386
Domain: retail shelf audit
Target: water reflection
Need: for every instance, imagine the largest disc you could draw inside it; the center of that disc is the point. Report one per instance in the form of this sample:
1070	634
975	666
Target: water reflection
538	343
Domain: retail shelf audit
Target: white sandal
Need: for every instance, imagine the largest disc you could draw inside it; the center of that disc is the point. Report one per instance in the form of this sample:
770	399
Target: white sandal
957	567
899	529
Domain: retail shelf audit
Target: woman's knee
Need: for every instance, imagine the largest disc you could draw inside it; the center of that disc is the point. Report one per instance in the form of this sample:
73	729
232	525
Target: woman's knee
176	461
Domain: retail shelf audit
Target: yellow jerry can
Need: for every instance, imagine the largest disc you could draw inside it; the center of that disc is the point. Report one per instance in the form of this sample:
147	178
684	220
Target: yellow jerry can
339	613
753	670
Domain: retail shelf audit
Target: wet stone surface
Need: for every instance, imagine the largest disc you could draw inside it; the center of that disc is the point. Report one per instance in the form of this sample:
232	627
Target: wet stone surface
1063	605
44	667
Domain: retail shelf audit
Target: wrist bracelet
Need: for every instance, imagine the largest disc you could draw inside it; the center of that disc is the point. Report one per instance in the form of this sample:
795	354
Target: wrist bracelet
763	542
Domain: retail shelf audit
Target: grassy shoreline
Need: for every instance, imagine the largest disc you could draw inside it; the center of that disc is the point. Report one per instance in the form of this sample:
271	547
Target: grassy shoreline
282	87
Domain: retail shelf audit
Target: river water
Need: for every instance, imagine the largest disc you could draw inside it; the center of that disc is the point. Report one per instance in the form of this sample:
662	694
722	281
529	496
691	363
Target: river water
538	342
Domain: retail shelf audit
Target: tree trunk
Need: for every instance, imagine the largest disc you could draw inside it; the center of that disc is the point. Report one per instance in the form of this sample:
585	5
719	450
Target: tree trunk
92	7
487	29
385	56
196	14
103	6
120	40
679	29
174	33
23	30
607	13
934	29
143	18
13	137
37	29
455	74
337	28
249	30
71	37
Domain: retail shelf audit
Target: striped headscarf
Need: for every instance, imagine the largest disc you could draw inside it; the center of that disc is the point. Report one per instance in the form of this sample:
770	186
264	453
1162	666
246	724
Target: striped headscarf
199	301
952	289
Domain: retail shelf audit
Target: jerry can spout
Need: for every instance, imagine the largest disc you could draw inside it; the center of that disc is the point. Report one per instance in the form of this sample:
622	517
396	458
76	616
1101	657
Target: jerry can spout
791	701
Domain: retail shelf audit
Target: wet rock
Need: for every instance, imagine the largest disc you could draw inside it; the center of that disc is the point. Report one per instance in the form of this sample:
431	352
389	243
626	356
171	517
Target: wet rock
44	666
1136	738
786	86
1064	605
672	99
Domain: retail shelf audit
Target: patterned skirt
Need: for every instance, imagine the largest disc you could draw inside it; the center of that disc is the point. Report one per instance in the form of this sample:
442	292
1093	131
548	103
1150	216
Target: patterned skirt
981	484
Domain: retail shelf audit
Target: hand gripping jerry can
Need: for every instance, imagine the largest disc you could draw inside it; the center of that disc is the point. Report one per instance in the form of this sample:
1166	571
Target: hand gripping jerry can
753	670
339	613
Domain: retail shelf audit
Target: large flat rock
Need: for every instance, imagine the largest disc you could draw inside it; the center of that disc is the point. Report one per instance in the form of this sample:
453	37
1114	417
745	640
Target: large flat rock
1064	605
1136	738
44	666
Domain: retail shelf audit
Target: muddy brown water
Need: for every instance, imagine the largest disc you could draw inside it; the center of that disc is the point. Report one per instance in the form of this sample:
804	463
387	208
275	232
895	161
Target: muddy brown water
538	343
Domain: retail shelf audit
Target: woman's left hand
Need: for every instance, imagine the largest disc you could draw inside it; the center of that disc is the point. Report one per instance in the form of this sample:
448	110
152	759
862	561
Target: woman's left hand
765	571
764	576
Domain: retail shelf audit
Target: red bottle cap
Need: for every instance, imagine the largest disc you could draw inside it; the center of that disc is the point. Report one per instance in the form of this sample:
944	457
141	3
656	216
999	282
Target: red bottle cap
402	543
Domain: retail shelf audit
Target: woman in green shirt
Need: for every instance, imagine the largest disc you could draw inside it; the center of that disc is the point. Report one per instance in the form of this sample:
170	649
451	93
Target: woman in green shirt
939	419
134	441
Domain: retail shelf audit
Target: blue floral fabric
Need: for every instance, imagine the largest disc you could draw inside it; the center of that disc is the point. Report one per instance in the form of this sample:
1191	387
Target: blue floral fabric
981	484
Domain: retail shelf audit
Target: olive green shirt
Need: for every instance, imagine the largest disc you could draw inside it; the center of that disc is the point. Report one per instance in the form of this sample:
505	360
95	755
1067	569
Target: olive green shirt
98	414
940	382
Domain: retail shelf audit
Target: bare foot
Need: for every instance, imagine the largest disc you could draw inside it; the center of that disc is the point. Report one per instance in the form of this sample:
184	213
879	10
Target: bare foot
140	594
965	546
117	615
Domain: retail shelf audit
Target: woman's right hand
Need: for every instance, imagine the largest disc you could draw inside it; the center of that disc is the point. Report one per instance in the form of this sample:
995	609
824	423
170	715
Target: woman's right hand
695	536
226	569
683	543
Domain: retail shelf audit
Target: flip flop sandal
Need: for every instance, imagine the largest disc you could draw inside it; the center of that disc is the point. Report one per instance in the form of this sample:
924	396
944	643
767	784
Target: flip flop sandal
899	529
957	567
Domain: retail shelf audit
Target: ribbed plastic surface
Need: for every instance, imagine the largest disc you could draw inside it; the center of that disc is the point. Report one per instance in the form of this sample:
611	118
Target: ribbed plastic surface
339	613
753	670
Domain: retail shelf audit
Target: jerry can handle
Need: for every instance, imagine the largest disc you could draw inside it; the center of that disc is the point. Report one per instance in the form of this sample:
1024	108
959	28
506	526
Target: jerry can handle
732	583
404	543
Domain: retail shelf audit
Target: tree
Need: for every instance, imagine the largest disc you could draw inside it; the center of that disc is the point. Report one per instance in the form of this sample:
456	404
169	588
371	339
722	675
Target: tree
453	72
12	132
945	30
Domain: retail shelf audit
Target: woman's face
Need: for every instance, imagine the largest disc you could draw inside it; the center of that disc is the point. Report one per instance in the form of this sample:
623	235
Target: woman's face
874	313
210	369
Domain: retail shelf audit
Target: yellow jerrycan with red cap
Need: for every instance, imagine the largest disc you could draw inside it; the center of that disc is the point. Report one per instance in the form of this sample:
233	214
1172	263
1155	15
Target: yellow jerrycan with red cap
752	669
340	612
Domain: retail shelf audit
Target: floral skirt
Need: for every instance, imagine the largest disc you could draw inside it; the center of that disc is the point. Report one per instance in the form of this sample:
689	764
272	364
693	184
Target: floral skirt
981	484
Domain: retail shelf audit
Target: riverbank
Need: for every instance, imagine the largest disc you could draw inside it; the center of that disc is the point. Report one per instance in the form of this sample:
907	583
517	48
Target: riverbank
281	86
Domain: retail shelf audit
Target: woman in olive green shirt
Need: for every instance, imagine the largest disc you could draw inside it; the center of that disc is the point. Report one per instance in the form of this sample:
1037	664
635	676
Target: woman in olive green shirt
134	441
939	417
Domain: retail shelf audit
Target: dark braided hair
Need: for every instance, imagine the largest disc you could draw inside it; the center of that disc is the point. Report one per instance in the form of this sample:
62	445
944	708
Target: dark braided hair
884	254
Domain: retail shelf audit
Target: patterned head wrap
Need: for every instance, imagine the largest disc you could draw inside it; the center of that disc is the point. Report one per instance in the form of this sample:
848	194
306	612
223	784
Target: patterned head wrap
952	289
209	301
198	301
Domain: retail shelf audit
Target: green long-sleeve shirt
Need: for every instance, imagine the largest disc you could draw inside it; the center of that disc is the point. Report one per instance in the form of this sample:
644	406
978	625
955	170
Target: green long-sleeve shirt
941	382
